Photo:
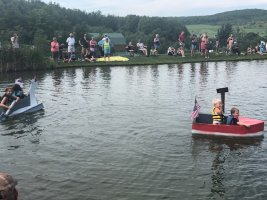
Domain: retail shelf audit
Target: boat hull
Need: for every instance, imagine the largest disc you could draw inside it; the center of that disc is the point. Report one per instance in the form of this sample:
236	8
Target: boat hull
256	128
28	109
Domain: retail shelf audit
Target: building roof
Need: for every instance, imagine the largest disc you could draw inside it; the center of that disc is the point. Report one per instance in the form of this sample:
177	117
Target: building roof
115	38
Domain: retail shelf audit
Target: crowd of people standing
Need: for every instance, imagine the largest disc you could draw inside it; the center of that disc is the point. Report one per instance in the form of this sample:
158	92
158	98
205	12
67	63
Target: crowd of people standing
89	47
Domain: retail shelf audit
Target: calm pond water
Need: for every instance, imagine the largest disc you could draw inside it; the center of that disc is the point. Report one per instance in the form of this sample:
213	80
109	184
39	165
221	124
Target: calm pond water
124	133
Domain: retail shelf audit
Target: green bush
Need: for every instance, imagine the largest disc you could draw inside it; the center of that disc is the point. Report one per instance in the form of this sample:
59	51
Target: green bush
22	59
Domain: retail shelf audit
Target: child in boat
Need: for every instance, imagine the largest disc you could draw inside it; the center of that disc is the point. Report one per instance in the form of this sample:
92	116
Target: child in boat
18	88
217	113
8	98
233	118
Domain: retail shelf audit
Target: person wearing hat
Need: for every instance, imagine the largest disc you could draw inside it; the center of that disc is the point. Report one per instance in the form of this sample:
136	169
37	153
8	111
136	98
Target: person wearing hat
8	189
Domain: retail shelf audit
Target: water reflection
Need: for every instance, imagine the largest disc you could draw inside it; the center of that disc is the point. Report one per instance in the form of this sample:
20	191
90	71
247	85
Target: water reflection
180	71
88	76
70	76
203	72
105	73
221	148
154	72
22	126
89	72
230	70
135	120
57	77
171	67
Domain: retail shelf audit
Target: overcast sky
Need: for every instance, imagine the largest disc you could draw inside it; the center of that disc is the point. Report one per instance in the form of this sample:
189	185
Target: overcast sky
161	8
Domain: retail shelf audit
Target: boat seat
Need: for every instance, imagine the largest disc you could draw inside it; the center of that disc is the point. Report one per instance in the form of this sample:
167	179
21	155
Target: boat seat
204	118
207	118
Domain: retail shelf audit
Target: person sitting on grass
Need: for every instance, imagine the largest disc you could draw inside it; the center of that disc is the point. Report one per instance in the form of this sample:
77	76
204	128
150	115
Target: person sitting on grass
89	57
171	51
236	49
233	119
153	52
69	57
72	57
180	52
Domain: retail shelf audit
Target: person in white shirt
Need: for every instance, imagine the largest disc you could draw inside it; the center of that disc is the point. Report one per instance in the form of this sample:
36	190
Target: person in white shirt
71	42
71	49
142	47
15	41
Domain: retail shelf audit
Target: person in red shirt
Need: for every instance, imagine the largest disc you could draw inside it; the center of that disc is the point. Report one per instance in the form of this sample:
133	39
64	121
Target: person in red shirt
181	41
55	49
92	45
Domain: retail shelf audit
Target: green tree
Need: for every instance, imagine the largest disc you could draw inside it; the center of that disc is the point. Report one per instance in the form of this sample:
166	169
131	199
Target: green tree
249	40
223	33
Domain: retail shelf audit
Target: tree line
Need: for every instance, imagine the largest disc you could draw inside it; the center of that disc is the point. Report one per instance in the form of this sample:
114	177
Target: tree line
36	23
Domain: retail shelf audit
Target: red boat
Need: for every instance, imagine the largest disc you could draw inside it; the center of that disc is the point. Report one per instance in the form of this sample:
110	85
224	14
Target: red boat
203	125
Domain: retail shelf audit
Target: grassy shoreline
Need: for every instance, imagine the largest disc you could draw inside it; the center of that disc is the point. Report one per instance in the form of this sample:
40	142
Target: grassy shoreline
164	59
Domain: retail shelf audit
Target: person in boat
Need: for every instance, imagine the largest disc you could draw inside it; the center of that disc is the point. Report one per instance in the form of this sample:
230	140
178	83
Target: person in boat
18	88
8	98
217	113
8	189
233	118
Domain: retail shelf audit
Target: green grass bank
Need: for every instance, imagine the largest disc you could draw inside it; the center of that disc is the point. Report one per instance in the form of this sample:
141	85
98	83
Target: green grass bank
164	59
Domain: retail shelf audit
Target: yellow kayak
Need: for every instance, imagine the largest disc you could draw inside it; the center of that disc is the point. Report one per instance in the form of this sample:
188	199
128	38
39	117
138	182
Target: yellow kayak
113	58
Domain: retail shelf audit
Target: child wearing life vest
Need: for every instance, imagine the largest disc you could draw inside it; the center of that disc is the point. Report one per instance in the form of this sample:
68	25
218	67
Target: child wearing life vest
233	119
217	113
8	98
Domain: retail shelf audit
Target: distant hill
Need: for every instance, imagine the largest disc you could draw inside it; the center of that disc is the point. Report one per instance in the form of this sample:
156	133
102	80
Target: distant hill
235	17
248	20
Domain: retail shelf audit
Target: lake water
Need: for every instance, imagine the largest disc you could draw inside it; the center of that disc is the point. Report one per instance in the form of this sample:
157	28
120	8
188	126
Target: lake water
124	133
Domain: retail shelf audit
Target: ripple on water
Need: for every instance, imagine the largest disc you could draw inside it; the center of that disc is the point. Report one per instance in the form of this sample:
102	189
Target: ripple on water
125	133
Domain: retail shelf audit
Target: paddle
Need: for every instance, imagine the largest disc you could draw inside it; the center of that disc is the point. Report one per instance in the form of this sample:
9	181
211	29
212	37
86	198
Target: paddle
4	115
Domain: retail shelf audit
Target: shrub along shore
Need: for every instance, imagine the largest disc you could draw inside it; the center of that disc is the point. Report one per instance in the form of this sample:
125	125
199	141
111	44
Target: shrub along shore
32	60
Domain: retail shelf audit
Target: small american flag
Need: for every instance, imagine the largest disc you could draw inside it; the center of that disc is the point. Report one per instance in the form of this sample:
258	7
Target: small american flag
196	109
